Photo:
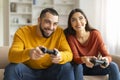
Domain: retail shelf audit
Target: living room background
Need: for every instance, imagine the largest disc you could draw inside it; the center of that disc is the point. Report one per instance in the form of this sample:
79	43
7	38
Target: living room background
101	13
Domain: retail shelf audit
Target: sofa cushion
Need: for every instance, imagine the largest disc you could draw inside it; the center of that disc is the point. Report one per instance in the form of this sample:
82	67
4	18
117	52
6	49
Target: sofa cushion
96	77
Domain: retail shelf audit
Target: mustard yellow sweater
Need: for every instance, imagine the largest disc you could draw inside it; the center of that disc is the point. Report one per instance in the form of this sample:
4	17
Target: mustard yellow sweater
26	38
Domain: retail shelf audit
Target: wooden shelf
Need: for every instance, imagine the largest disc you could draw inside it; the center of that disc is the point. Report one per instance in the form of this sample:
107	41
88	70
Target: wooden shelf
26	12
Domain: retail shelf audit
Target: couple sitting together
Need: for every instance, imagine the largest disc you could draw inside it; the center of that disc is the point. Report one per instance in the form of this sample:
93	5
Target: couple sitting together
47	52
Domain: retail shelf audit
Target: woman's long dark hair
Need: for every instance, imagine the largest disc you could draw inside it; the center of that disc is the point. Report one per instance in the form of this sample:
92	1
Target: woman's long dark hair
69	29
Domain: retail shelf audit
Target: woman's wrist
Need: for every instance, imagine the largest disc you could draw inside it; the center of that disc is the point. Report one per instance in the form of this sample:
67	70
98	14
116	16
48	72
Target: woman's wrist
83	59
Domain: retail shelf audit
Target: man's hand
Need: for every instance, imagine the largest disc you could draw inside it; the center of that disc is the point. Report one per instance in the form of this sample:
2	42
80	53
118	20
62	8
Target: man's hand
56	58
36	53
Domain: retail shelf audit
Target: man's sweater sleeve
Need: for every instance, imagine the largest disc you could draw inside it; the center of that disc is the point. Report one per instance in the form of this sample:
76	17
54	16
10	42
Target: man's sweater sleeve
64	49
17	53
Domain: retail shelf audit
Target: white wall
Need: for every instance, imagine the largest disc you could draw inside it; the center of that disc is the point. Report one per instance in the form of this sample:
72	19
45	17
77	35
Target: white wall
4	22
95	12
90	7
1	22
92	10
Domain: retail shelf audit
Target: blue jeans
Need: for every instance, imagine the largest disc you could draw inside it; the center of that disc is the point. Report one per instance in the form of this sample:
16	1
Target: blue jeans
81	69
54	72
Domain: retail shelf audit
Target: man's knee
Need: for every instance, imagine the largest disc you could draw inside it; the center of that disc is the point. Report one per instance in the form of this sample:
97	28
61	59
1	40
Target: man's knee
67	66
12	67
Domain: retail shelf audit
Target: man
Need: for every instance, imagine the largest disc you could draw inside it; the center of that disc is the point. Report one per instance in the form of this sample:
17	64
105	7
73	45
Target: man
29	62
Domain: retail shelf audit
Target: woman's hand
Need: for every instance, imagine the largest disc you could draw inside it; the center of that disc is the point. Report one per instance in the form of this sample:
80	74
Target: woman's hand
86	60
107	61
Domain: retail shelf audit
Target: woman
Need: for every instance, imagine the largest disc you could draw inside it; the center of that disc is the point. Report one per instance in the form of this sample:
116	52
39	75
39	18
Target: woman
86	44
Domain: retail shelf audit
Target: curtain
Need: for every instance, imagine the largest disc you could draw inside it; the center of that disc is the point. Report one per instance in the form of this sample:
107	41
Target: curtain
113	25
110	24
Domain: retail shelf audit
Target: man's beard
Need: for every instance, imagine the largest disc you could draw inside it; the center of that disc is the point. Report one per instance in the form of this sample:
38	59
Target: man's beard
43	33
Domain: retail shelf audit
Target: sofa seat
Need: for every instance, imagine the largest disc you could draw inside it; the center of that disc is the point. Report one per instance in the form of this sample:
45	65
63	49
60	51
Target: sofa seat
96	77
4	61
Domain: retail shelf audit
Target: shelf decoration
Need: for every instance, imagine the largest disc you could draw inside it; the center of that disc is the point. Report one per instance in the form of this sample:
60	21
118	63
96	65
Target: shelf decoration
13	7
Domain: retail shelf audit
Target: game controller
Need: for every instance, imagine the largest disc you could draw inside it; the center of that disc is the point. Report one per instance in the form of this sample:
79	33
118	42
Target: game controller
45	50
98	62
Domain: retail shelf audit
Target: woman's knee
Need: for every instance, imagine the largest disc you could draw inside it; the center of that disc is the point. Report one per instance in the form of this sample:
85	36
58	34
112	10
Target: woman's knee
78	68
114	66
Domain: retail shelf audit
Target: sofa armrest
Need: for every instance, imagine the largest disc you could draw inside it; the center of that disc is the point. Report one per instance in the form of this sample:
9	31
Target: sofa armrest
116	59
4	56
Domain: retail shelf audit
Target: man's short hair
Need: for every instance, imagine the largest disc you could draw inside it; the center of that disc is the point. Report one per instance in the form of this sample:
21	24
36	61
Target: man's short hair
50	10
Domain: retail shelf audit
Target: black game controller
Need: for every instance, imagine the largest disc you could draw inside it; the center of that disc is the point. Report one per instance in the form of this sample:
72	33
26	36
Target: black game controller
98	62
45	50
